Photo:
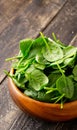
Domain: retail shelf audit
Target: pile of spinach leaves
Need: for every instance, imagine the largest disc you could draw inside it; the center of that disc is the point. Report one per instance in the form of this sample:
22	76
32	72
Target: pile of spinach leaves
46	70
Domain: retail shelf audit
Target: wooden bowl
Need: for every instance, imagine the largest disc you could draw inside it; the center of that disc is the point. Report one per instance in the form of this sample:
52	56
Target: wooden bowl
47	111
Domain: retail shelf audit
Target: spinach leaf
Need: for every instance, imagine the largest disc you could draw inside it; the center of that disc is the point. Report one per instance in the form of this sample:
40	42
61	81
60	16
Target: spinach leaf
31	93
54	64
69	51
53	76
69	61
37	79
75	73
39	66
18	84
22	67
75	92
41	60
53	54
25	46
38	42
51	51
36	47
75	70
42	96
65	86
21	78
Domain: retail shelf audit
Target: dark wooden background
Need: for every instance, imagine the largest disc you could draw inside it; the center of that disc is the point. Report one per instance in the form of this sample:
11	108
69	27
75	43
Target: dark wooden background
26	18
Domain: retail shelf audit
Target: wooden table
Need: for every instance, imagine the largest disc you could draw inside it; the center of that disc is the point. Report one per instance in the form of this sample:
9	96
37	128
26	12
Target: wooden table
26	18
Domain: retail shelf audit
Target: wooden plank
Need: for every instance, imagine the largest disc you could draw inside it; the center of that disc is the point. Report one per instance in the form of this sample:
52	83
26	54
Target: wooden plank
9	9
27	122
27	23
65	25
11	118
74	41
8	110
69	125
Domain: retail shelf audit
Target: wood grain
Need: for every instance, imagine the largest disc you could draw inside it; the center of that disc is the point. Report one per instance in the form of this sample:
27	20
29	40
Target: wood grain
8	110
27	23
9	9
74	41
65	25
69	125
27	122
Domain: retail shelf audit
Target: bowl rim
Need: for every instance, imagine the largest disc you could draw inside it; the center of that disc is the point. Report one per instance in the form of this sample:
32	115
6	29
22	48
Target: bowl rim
37	101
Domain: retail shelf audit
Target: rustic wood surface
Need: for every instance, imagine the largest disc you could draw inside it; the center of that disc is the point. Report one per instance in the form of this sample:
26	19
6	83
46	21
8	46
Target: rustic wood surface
26	18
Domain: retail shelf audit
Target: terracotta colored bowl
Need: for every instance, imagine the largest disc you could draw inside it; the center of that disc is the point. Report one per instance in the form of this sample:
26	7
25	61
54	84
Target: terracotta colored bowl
47	111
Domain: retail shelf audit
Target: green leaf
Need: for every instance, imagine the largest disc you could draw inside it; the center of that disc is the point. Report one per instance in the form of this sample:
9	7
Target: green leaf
20	85
24	65
54	64
42	96
25	46
39	66
21	78
75	78
69	51
38	42
30	69
40	59
75	71
75	92
37	80
34	50
36	47
52	54
69	61
53	77
31	93
65	86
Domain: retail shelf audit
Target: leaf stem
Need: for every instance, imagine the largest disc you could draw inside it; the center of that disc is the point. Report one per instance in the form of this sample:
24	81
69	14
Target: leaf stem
60	69
61	105
12	58
44	40
54	98
54	37
51	90
60	98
